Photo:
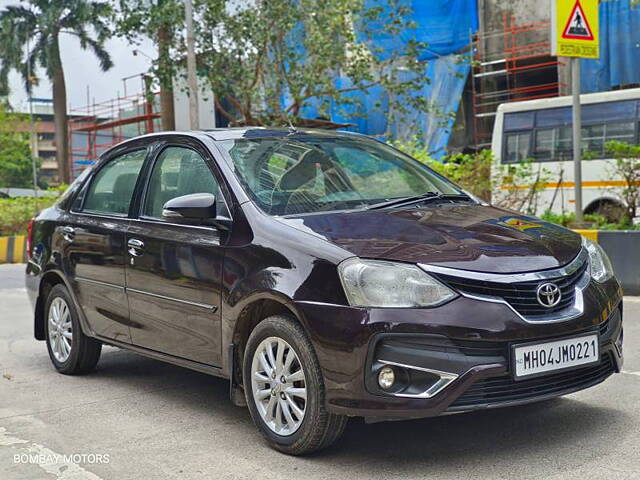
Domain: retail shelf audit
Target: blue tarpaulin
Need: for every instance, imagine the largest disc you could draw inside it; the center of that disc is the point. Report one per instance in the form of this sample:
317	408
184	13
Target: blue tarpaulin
446	27
619	62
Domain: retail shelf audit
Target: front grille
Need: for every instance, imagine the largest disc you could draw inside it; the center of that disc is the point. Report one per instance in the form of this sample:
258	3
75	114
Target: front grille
522	296
504	389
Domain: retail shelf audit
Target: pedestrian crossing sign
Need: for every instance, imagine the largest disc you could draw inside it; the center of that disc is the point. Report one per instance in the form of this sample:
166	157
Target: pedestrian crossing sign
574	29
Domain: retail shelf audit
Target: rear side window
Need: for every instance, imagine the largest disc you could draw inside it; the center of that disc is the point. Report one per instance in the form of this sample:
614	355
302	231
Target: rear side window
180	171
112	188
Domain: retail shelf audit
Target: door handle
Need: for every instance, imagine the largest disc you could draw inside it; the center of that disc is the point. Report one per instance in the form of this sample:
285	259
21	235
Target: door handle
69	234
135	247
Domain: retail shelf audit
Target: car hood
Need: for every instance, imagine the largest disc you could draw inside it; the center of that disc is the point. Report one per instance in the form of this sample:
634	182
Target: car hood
468	237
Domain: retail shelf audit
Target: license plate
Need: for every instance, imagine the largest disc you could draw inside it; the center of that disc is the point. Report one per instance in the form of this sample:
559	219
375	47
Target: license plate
554	355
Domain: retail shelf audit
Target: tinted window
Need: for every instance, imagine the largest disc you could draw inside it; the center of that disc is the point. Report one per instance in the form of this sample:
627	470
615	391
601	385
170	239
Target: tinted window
517	147
554	117
518	121
553	144
606	112
112	188
179	171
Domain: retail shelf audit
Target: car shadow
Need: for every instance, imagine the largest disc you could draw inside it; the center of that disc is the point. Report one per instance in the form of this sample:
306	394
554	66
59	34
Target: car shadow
513	435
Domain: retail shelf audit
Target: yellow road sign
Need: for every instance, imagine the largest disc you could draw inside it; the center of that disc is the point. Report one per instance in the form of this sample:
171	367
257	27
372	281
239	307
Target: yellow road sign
574	28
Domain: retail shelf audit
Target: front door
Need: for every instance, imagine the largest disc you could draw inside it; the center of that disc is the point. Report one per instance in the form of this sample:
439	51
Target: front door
174	271
94	245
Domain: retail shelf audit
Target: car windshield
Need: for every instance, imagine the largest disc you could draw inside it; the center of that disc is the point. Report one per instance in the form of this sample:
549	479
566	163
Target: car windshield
300	174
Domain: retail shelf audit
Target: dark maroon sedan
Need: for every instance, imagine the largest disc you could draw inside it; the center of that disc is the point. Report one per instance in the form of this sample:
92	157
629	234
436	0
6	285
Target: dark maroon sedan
327	275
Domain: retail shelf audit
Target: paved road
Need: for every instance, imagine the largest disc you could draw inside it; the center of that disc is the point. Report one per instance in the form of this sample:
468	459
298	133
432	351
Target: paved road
155	421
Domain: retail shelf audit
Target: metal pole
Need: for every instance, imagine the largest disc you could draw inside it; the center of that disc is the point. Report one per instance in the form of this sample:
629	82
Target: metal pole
577	137
192	80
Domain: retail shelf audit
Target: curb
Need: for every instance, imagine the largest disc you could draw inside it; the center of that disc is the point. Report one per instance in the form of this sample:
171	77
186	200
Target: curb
13	249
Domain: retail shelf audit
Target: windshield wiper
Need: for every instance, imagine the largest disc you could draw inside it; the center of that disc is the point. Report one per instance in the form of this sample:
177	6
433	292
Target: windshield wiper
418	198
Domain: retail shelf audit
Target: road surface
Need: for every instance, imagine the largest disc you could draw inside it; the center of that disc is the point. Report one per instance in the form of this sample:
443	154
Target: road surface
136	418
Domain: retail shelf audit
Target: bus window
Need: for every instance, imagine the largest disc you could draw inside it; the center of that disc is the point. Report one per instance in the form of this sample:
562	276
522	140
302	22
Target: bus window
622	132
593	139
517	147
609	112
552	144
554	117
518	121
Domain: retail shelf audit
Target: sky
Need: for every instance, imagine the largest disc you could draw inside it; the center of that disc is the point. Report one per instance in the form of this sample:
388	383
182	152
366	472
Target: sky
82	69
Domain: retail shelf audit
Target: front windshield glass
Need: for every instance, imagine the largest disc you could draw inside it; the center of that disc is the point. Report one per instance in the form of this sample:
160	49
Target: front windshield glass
301	174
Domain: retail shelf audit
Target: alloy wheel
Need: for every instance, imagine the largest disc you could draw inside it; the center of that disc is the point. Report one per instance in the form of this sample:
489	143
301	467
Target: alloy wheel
278	386
60	329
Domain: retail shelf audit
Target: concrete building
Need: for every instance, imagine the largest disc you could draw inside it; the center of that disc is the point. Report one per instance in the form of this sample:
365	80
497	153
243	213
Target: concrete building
42	141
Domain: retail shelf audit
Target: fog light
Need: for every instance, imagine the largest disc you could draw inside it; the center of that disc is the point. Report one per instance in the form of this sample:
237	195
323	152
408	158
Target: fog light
386	378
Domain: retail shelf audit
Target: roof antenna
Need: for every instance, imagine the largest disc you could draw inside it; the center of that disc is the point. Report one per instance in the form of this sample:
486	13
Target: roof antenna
292	128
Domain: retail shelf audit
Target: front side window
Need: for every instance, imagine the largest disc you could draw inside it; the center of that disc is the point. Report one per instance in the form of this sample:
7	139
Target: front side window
307	174
112	188
179	171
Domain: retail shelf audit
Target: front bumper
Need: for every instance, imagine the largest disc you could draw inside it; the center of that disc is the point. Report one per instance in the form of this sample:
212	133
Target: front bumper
469	339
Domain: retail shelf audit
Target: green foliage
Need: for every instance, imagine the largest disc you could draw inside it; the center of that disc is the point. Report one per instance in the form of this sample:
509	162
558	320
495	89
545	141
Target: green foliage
258	53
509	186
627	167
597	222
15	213
16	167
161	21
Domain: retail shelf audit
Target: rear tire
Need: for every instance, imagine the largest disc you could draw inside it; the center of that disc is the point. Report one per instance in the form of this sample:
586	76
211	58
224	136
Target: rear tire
70	350
287	404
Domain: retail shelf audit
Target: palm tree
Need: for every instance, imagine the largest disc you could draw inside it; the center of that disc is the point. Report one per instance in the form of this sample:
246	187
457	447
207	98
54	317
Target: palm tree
38	24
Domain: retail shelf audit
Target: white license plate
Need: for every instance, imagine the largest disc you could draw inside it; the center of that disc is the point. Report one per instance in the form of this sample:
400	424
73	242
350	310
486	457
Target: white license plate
540	358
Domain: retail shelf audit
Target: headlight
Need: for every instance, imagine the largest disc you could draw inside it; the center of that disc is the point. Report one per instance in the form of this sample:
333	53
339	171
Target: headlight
599	263
374	283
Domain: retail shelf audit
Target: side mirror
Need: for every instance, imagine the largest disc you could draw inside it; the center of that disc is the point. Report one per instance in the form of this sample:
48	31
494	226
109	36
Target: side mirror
197	206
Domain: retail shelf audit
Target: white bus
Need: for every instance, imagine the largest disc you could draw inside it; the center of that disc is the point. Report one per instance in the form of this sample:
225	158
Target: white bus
540	130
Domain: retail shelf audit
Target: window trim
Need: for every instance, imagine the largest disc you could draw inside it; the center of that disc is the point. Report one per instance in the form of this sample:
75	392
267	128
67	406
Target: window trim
154	158
84	190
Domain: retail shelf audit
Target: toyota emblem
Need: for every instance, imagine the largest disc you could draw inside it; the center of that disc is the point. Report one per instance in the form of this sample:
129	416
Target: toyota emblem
549	295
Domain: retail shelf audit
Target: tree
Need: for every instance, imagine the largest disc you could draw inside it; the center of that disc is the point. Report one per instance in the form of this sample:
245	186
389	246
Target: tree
161	21
16	161
39	24
269	62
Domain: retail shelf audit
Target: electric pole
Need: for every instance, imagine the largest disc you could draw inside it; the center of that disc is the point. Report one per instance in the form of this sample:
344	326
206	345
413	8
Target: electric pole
192	79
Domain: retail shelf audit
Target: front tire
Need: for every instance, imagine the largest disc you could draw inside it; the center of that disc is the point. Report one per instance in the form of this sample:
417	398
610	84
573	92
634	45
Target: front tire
285	391
70	350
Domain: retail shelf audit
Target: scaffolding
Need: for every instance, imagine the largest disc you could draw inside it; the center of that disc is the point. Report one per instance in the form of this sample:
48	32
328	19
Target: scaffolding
511	64
96	127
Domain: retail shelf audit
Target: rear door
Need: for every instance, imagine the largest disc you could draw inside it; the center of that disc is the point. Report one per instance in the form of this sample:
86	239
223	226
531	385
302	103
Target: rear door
174	271
94	241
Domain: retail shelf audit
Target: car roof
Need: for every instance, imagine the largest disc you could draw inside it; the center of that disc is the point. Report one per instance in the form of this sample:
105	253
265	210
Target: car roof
236	133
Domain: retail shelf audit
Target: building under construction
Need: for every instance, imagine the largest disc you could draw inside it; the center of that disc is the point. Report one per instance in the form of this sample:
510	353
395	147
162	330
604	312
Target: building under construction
97	127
